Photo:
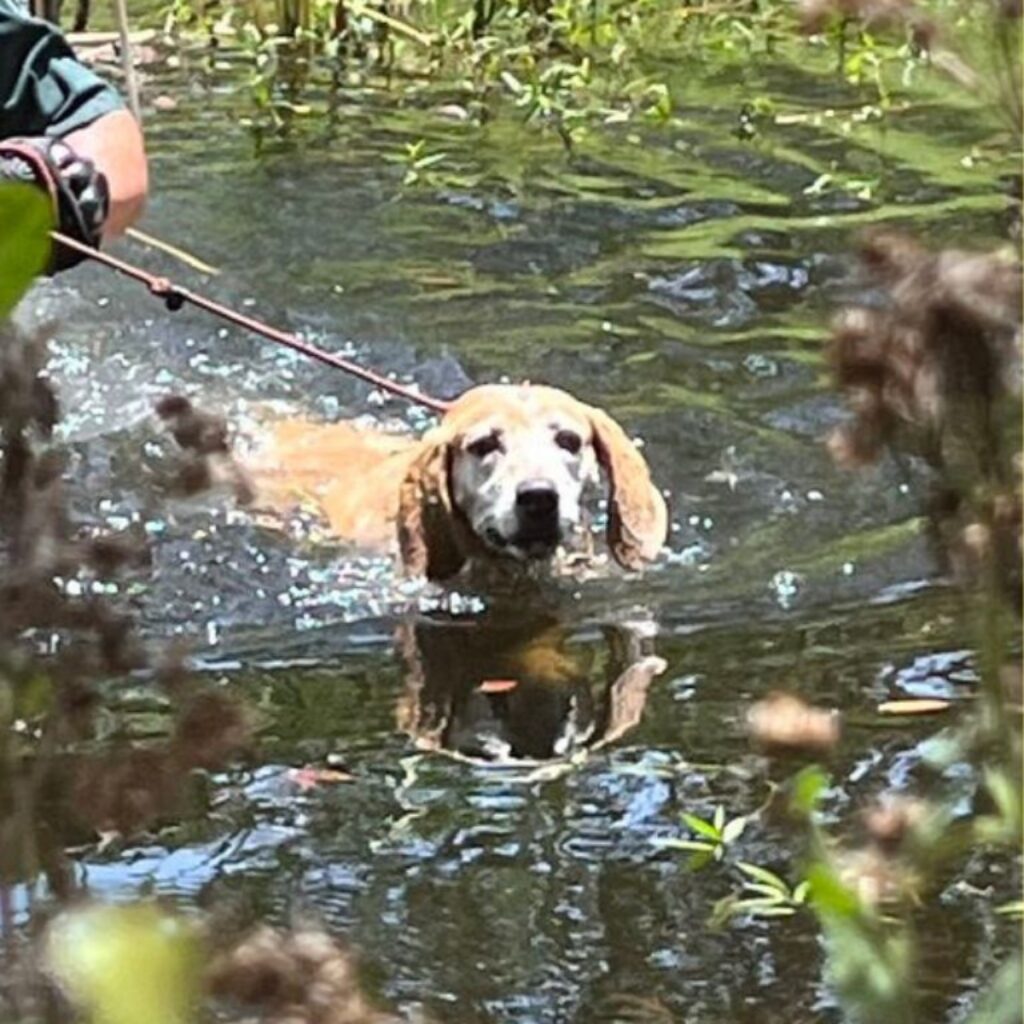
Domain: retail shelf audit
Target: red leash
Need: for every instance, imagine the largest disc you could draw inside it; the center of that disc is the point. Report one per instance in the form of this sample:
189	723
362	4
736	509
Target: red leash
175	297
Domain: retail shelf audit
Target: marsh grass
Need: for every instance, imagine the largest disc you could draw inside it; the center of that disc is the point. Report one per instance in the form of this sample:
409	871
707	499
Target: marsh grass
570	66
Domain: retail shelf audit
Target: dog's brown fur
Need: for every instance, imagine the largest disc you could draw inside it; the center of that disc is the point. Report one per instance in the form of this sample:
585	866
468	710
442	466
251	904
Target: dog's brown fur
373	488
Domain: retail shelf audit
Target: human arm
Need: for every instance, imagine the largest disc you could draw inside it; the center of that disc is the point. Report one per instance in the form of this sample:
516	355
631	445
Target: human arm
47	94
114	144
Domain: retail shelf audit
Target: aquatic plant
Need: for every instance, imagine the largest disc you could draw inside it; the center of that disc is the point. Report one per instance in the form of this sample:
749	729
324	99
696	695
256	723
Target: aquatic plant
763	894
711	838
572	65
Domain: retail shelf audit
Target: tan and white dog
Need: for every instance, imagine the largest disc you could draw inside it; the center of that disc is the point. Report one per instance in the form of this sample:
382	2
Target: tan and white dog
501	480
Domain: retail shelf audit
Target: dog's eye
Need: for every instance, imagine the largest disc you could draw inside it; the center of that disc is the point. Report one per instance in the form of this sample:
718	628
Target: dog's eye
569	440
483	446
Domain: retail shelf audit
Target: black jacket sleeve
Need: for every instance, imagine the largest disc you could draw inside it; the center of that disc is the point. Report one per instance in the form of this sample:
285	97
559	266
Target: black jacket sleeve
44	89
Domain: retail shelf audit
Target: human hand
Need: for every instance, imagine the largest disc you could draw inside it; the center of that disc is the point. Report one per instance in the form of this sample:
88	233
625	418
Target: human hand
78	190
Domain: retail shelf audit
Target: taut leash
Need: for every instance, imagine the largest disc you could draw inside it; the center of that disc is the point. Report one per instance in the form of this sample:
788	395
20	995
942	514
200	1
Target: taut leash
174	297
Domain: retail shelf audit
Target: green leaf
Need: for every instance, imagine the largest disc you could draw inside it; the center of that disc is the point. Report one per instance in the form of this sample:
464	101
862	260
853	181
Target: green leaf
722	911
1005	794
719	818
701	827
752	904
768	891
764	876
689	845
1015	908
776	910
818	185
512	83
700	860
808	788
429	161
733	830
830	895
25	221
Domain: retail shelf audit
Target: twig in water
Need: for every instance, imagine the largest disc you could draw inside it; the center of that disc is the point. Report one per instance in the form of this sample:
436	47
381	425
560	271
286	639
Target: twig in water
172	250
131	80
394	24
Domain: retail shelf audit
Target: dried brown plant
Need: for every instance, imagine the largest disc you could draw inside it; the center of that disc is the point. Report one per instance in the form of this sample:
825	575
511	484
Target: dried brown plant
204	440
289	977
293	977
872	14
934	372
783	722
995	80
52	784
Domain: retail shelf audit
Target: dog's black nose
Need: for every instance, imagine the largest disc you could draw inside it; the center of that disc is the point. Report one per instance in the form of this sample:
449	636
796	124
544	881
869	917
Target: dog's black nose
537	498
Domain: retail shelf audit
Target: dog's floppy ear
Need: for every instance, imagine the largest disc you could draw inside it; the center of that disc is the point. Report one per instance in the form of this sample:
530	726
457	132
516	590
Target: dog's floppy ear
427	533
637	516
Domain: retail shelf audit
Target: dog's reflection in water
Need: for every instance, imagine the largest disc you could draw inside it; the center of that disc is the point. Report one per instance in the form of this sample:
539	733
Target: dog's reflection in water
503	691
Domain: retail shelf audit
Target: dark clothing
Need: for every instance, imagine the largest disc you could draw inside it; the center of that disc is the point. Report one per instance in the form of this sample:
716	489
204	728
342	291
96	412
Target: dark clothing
44	90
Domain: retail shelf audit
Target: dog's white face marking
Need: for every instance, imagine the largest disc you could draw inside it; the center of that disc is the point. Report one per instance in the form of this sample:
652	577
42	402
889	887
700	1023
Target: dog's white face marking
521	483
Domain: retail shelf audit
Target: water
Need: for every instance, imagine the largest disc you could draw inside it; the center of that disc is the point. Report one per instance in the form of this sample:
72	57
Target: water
683	280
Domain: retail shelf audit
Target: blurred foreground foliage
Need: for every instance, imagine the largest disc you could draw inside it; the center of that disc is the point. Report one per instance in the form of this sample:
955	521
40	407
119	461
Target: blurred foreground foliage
931	372
65	771
935	374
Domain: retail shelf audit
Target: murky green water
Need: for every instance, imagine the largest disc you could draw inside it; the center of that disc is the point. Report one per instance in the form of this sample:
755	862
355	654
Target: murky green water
681	278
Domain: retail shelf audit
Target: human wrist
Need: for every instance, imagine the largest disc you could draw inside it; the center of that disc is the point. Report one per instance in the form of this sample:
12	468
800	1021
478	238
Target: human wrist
77	189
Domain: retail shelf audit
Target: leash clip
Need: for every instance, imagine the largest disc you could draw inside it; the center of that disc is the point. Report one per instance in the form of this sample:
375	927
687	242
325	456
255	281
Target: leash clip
162	288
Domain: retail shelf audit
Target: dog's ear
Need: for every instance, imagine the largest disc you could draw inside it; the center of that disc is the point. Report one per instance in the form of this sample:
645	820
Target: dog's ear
637	516
427	533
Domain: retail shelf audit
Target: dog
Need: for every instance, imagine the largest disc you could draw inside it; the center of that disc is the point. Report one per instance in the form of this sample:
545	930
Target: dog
501	481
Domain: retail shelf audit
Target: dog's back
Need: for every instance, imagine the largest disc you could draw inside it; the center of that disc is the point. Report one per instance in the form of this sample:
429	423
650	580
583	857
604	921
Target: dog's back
346	474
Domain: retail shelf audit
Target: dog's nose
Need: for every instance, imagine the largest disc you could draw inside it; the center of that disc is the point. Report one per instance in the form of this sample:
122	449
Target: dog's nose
537	498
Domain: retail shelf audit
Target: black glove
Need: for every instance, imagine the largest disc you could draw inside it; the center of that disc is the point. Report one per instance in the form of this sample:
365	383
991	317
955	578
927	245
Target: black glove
79	192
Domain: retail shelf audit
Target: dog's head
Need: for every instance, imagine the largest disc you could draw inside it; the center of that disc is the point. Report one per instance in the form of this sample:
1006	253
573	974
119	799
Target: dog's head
504	476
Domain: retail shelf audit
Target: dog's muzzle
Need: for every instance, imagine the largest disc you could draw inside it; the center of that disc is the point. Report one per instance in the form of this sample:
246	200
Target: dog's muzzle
538	520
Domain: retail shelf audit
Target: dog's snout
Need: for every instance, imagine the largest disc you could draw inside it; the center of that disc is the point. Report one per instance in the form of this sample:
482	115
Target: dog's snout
537	498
